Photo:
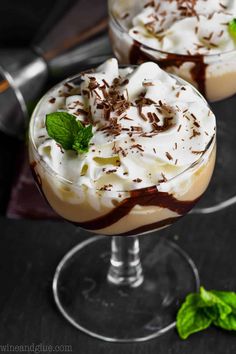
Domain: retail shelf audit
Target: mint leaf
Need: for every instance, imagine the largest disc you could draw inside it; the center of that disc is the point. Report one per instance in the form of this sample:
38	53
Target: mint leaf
232	28
228	323
62	127
68	132
81	142
228	297
208	307
214	307
191	317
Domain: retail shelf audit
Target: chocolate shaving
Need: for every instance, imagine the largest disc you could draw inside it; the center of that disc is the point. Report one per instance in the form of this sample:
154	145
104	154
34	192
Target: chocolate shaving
86	93
100	106
223	6
164	179
208	38
81	111
142	115
196	124
68	86
111	171
150	3
168	155
127	118
195	133
148	84
197	152
137	180
52	100
92	85
106	187
137	146
125	82
105	82
125	16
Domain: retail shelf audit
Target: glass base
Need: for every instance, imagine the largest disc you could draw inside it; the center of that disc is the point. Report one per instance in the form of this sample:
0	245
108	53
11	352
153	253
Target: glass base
123	313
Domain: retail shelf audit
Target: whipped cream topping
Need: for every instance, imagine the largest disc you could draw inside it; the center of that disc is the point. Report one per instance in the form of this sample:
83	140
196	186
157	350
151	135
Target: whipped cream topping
147	127
185	26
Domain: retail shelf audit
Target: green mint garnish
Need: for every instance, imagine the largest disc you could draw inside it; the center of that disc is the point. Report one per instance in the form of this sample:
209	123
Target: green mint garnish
191	317
232	28
202	309
229	321
82	139
68	132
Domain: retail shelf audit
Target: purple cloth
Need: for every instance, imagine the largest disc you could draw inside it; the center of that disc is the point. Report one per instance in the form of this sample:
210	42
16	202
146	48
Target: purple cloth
26	200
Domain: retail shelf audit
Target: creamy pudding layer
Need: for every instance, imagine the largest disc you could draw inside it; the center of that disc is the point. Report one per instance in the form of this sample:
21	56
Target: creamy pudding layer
195	34
148	129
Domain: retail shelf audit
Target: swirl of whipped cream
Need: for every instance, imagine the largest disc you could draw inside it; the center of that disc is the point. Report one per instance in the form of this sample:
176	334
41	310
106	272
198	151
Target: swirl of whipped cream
147	127
186	26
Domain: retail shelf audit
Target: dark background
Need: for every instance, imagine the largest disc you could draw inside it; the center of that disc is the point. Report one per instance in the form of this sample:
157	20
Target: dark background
21	20
30	250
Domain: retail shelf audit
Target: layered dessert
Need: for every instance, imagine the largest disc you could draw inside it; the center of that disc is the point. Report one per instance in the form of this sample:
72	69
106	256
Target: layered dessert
195	39
122	151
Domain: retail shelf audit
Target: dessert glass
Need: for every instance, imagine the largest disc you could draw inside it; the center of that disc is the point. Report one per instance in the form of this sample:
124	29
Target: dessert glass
103	286
214	75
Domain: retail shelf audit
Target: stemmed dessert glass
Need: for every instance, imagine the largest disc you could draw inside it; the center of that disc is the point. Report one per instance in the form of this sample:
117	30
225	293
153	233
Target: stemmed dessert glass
202	71
105	286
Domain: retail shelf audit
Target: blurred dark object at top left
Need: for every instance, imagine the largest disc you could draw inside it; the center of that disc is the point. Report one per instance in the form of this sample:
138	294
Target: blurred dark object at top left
21	19
66	42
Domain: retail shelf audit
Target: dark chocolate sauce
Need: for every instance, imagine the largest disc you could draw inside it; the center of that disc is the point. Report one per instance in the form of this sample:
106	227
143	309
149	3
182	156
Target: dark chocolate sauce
36	176
198	72
144	197
37	179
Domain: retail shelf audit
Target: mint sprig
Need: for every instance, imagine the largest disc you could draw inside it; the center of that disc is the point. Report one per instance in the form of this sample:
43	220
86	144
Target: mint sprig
200	310
232	28
229	321
68	132
191	318
82	139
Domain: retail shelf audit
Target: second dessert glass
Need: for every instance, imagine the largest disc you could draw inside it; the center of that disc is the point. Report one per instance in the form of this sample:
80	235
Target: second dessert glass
105	286
214	75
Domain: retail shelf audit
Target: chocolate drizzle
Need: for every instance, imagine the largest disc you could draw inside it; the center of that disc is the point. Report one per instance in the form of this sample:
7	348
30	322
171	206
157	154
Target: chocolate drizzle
37	180
198	72
144	197
36	176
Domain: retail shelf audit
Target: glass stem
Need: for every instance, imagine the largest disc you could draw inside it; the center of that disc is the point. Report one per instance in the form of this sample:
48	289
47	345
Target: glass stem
125	266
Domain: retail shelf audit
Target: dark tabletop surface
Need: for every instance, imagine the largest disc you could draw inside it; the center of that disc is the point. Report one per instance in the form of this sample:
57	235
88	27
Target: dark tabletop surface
31	249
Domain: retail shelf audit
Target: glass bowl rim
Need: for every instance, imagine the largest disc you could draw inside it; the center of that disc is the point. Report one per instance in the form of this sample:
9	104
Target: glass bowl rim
44	164
179	56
